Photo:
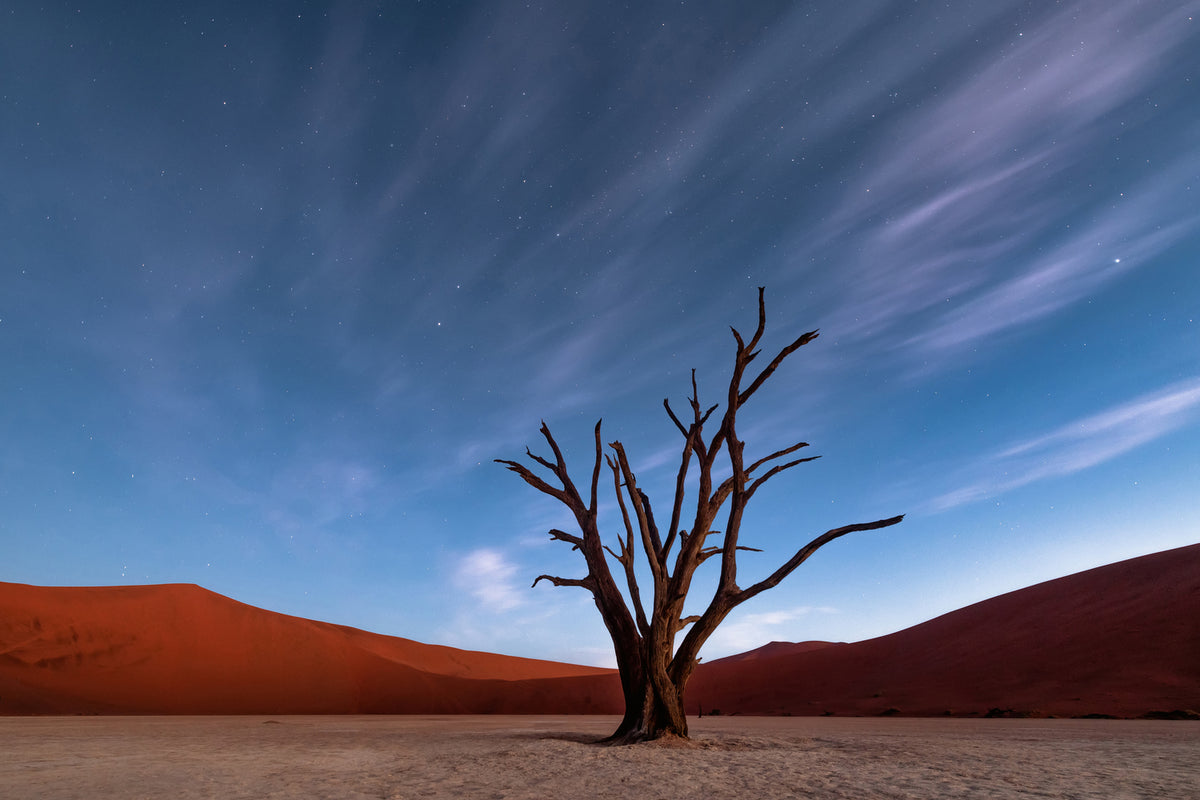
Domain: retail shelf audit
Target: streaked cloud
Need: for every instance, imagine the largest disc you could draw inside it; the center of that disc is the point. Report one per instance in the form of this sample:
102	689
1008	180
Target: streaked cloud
1128	236
966	219
488	576
1081	444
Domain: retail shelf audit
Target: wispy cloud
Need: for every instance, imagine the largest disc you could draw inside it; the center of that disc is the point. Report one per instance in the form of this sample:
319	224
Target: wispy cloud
495	610
972	203
1081	444
1127	237
314	491
488	576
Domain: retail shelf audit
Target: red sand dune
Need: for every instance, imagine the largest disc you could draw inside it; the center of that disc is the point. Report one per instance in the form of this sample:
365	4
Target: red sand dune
180	649
1122	640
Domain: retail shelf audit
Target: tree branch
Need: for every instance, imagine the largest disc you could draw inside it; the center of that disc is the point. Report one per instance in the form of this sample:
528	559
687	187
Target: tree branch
650	539
560	468
534	480
762	321
552	467
680	484
675	419
563	536
586	583
770	368
653	527
596	467
803	554
699	418
775	470
621	500
738	338
627	551
709	552
775	455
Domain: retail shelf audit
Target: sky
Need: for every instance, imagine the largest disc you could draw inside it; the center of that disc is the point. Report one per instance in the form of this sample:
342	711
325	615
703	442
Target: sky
279	281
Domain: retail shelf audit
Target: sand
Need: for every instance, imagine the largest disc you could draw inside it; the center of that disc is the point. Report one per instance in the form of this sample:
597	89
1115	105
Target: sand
546	756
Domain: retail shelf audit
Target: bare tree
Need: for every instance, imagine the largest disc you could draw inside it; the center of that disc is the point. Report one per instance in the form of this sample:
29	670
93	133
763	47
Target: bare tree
654	672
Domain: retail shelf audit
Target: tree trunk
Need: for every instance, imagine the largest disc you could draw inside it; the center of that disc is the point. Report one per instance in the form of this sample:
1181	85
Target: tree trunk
633	687
664	715
651	714
653	707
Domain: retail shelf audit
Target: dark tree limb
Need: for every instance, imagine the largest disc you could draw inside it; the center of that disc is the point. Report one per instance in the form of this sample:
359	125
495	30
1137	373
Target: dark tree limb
627	555
651	526
559	468
775	362
534	480
709	552
563	536
803	554
685	461
775	470
552	467
675	419
586	583
621	502
777	454
651	543
599	450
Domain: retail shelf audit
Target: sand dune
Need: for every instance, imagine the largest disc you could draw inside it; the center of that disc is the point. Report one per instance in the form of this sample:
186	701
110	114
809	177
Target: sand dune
1121	640
180	649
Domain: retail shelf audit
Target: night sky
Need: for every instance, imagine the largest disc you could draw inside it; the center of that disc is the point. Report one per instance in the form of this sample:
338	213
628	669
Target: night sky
278	281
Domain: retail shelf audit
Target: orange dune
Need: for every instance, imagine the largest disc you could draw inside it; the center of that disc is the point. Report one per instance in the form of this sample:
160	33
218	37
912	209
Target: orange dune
180	649
1120	640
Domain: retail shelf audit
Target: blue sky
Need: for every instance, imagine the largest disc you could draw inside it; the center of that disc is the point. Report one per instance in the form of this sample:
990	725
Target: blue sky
279	281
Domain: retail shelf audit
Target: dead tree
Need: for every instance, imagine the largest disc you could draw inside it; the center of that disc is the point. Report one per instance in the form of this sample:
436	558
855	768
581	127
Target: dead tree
654	672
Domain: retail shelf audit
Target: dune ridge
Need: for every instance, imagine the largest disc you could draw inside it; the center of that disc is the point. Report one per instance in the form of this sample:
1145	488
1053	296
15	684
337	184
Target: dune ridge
1120	640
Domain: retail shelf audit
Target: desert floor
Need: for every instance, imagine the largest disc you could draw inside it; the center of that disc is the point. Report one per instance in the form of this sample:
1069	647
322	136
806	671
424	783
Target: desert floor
539	757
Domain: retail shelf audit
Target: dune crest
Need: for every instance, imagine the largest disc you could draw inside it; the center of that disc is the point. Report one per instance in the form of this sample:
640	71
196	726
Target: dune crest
1120	640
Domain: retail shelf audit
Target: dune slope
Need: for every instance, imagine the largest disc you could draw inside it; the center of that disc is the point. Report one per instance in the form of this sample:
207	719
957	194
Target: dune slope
1123	639
180	649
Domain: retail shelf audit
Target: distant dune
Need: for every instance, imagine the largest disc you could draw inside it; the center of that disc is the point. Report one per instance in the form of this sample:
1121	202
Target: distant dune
1120	640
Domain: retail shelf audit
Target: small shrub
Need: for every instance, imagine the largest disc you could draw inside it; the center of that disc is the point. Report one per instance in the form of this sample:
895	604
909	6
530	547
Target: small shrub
1178	713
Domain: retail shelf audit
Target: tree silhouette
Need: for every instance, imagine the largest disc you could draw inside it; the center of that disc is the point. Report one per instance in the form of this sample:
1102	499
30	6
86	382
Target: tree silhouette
654	672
